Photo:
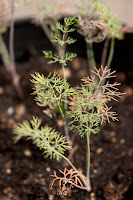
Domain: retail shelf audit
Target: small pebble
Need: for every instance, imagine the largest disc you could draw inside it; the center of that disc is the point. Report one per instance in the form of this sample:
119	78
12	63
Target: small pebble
95	171
8	171
7	190
122	141
92	196
48	169
19	111
1	90
112	133
27	152
113	140
51	197
99	150
60	122
10	110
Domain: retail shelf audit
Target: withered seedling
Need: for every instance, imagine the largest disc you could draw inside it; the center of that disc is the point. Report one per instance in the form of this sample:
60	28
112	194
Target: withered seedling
86	107
72	177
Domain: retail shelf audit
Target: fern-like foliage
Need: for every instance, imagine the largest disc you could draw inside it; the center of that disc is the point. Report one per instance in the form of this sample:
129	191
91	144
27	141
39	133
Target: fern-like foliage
45	138
83	110
52	88
60	39
110	18
89	108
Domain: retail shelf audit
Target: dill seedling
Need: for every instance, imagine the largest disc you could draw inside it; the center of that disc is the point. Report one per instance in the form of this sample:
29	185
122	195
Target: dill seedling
85	106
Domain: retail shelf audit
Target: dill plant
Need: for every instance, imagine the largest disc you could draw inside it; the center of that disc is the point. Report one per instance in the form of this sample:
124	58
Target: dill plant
98	23
85	106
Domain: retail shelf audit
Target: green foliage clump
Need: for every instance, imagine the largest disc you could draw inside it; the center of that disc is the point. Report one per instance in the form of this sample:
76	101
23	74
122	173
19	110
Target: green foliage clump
84	114
51	88
45	138
110	19
62	40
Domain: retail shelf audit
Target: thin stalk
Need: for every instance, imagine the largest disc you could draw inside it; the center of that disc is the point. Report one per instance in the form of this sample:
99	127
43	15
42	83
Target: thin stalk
15	77
5	54
90	57
65	125
64	37
111	52
104	53
88	185
48	33
64	157
110	57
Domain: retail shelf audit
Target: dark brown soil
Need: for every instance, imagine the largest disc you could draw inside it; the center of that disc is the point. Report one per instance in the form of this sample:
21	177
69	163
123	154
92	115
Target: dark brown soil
25	173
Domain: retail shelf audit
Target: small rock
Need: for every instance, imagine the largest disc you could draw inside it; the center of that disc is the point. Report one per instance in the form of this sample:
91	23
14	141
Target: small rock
10	110
48	169
51	197
60	122
7	190
112	133
1	90
99	150
19	111
8	171
95	171
92	196
27	152
122	141
113	140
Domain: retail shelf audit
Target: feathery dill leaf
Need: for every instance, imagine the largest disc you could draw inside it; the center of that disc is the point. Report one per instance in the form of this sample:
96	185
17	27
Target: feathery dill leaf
60	39
51	88
45	138
83	112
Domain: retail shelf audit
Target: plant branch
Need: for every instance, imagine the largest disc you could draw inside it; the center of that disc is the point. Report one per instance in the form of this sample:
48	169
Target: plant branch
111	53
5	54
90	57
88	163
104	53
15	77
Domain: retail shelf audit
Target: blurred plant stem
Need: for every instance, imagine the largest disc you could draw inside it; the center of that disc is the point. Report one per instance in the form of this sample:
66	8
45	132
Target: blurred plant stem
14	75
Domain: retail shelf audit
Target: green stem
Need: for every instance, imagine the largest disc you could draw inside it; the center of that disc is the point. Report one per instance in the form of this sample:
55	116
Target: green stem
88	163
91	57
4	54
65	125
64	157
111	52
104	53
64	76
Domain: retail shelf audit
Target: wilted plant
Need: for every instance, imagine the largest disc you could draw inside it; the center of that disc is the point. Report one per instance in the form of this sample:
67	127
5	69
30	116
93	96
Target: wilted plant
87	110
